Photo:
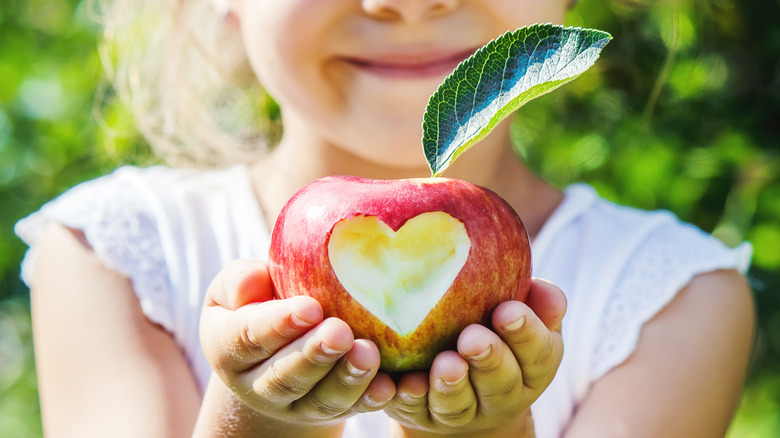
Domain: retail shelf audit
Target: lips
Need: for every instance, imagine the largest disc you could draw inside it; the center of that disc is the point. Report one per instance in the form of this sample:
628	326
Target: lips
409	64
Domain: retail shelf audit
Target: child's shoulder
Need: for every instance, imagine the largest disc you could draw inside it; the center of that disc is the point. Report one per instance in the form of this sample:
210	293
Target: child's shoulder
622	265
130	193
619	266
145	222
625	232
127	215
162	180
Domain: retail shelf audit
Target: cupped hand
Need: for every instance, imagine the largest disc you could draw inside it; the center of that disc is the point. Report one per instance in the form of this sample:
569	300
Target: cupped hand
281	358
490	382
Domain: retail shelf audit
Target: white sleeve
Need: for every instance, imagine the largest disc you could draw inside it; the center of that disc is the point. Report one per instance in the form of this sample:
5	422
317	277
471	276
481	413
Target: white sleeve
117	223
664	262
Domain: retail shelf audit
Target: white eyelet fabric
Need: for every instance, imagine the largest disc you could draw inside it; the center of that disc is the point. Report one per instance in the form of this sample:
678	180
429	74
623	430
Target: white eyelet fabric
121	226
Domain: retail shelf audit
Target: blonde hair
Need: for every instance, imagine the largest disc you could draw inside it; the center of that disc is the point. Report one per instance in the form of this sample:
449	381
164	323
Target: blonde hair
180	68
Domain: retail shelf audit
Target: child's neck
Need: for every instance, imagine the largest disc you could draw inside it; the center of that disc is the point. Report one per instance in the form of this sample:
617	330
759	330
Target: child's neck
491	164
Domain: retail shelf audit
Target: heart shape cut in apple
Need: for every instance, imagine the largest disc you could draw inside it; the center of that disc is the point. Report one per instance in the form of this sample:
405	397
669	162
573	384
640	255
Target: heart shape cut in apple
407	264
399	276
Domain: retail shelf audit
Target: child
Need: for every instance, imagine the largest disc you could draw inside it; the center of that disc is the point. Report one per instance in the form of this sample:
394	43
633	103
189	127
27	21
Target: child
153	309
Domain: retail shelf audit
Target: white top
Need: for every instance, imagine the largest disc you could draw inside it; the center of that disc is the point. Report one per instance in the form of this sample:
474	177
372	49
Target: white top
171	230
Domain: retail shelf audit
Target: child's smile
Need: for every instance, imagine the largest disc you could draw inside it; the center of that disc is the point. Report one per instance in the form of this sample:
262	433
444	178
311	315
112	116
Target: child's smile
412	64
357	75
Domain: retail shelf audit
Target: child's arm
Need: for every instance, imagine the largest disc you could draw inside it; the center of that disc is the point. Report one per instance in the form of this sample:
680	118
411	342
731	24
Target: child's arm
283	370
104	369
686	374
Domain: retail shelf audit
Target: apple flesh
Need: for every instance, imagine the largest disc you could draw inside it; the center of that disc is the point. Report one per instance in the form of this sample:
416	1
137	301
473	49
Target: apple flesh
407	264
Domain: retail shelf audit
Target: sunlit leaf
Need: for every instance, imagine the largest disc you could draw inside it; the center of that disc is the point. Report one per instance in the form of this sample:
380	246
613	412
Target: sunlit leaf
498	79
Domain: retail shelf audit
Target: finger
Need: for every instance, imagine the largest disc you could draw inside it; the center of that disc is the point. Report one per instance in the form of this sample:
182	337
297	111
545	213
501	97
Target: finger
379	393
548	302
451	398
297	368
241	282
537	349
410	403
493	369
344	385
237	340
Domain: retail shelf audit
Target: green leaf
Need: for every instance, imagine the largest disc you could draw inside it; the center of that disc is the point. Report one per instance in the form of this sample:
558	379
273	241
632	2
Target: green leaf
499	78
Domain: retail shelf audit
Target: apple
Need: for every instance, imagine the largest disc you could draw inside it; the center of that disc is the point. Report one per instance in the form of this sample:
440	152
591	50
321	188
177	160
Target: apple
406	263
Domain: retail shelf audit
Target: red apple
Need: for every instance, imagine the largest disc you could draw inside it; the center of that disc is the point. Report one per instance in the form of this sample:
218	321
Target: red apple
407	264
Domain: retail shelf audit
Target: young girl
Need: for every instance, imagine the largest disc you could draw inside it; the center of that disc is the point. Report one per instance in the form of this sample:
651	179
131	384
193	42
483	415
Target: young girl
154	312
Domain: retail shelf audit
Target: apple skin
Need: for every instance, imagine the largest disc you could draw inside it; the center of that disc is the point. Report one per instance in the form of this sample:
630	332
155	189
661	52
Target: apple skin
498	267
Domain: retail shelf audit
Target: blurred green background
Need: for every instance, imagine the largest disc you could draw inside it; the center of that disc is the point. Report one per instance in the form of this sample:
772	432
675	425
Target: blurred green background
682	112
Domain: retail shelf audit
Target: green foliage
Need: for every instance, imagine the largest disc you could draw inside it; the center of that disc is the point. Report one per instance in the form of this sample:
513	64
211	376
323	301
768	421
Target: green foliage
499	78
19	411
49	141
681	112
49	138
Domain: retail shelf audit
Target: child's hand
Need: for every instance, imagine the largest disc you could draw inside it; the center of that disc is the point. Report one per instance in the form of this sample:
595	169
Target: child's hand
280	358
494	377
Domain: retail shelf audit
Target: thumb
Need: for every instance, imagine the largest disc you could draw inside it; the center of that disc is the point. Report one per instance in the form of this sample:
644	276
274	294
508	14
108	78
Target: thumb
242	325
548	302
241	282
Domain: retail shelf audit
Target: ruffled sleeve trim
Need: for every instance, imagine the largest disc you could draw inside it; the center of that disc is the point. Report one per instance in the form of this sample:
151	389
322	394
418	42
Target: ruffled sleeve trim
116	218
666	260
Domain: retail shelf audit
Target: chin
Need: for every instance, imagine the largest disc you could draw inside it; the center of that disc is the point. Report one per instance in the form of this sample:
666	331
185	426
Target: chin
408	163
403	156
394	148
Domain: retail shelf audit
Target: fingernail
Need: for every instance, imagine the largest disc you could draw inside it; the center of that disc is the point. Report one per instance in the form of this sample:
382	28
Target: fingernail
328	350
370	402
483	355
411	398
355	371
298	322
515	325
454	382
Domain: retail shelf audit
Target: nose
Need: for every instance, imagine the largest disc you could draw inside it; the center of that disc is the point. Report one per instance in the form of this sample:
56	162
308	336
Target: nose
408	10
